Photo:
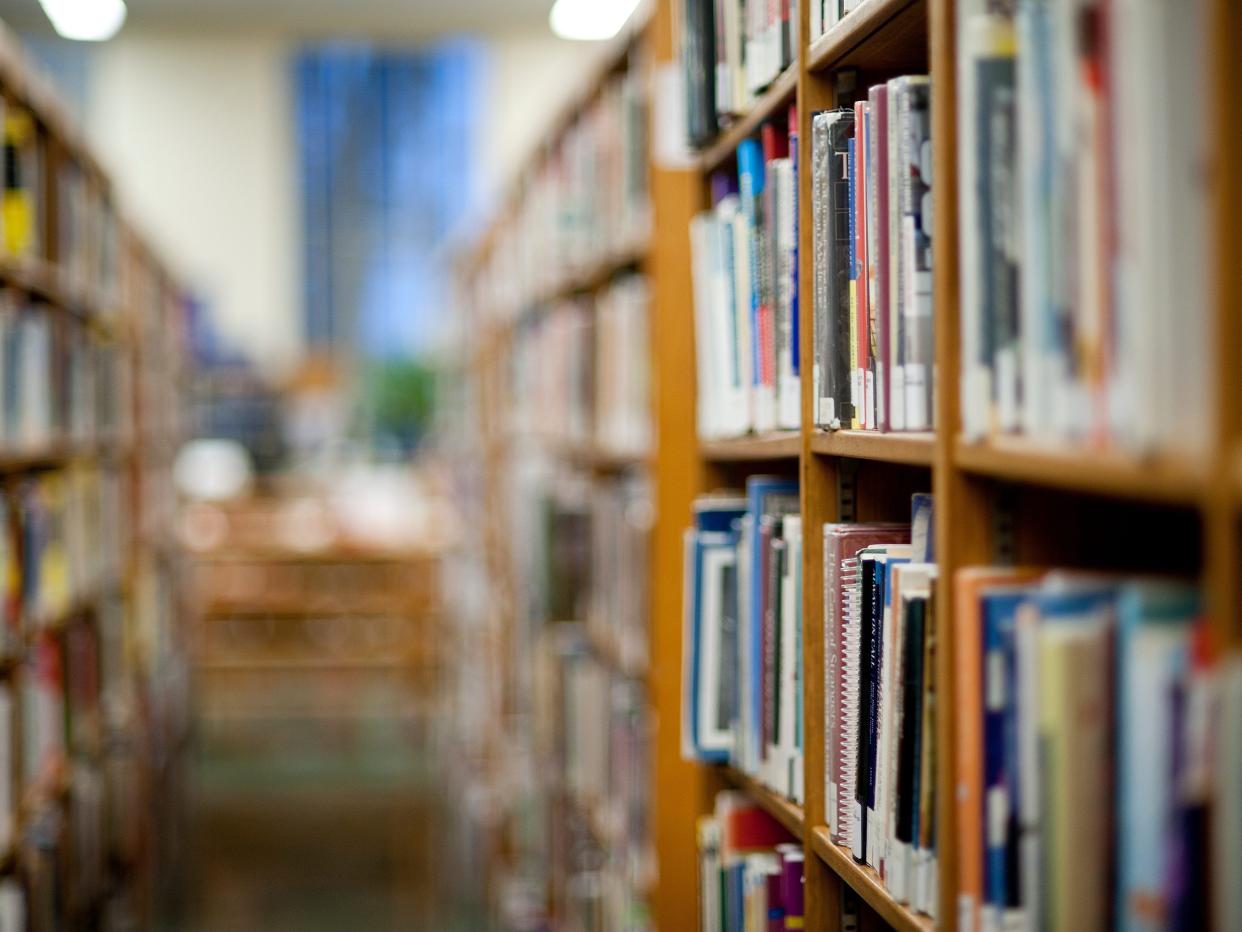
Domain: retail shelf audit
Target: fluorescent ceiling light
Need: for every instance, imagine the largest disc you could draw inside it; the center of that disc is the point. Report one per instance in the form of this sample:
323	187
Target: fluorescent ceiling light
85	20
590	19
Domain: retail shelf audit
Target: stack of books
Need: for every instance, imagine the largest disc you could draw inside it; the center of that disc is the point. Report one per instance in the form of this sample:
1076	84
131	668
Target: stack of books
751	870
1086	306
745	255
742	656
872	300
732	50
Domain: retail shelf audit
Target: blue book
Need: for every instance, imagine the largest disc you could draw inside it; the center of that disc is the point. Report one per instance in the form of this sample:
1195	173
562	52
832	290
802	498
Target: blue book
765	495
714	522
1000	747
750	174
1155	625
795	326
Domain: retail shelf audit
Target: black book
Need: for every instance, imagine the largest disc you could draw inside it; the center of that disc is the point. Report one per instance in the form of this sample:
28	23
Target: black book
838	263
867	567
699	63
910	728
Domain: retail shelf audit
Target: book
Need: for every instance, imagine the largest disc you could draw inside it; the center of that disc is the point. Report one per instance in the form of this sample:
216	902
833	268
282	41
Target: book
842	543
1155	627
832	133
742	641
1082	750
21	213
750	870
711	635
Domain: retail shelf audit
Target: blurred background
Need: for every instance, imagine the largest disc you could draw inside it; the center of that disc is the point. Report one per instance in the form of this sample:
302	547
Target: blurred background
306	169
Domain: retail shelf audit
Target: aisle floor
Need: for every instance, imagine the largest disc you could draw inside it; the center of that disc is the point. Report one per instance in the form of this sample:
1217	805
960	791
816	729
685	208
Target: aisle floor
321	841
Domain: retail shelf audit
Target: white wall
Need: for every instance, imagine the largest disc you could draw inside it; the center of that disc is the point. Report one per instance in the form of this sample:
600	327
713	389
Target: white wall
198	135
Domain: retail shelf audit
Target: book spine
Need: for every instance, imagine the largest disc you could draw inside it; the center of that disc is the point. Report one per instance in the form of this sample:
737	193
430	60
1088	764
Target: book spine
877	245
822	412
917	357
837	374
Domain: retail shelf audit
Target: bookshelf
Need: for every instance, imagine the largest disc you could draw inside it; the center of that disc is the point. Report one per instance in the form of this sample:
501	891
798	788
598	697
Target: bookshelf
94	319
549	312
974	483
998	499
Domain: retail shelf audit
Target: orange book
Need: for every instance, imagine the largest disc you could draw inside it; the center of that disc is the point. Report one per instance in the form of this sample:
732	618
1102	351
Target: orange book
968	586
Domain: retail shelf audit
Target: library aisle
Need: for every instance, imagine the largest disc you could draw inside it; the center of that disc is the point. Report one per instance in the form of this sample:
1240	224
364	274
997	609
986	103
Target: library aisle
620	465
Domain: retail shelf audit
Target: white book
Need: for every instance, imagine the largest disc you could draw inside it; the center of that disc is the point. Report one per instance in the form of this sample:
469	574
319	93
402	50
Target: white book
790	651
703	234
789	392
746	403
714	731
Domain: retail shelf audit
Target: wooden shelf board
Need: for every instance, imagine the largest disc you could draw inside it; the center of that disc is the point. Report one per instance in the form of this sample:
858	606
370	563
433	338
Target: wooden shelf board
778	807
878	35
287	555
780	93
1162	480
295	665
593	276
866	883
916	449
597	458
779	445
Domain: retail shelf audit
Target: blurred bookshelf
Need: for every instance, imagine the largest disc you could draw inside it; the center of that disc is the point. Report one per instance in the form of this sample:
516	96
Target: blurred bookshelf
93	686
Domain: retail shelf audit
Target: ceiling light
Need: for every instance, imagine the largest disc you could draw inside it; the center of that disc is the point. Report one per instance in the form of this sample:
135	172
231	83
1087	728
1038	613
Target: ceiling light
590	19
85	20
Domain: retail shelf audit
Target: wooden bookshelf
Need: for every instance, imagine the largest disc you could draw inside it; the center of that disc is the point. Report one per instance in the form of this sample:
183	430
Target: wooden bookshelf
970	480
1163	480
880	38
788	813
504	317
914	449
778	96
866	883
878	35
779	445
102	286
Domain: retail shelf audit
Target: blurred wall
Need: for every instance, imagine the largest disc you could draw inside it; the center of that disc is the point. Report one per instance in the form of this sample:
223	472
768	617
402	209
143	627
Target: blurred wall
198	135
198	132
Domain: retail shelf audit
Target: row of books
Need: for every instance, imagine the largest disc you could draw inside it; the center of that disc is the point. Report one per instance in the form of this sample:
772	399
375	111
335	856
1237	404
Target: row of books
57	381
872	258
88	248
824	14
580	373
1092	728
745	269
622	515
1084	708
880	699
742	670
1086	308
87	232
751	870
732	50
587	201
594	724
55	546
